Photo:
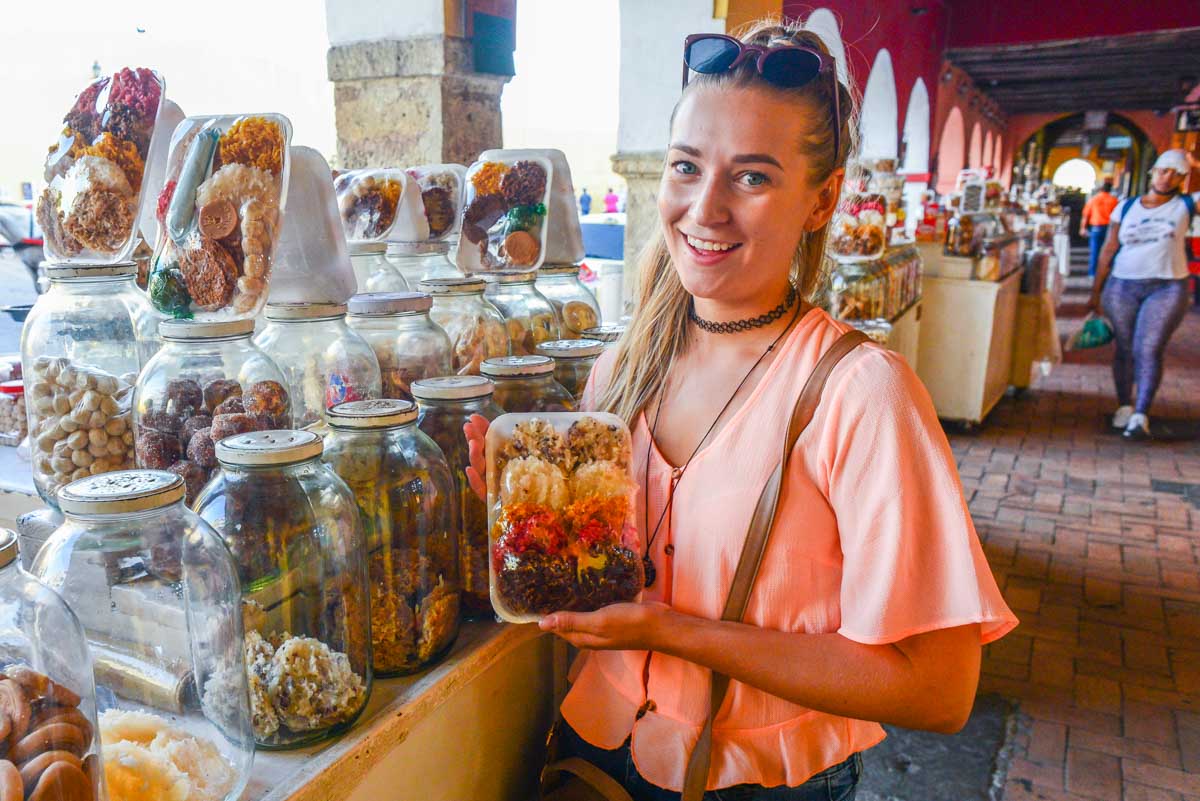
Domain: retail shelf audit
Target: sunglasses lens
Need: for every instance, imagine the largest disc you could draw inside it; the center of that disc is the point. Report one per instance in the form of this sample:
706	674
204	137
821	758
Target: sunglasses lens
710	55
790	67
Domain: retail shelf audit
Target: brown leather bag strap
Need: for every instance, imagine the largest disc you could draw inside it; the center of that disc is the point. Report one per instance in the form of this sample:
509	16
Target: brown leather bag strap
695	779
595	779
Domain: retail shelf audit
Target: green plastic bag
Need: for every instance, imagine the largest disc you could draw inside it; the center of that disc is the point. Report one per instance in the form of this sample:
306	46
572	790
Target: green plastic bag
1095	333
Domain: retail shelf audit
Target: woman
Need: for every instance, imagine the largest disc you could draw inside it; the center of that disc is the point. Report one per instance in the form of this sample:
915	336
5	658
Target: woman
1142	283
873	596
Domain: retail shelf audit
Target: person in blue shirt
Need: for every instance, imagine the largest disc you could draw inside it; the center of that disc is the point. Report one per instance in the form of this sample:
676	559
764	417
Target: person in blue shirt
585	202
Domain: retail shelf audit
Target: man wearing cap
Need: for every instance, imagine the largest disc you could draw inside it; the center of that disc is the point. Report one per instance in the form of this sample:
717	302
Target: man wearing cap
1141	283
1093	223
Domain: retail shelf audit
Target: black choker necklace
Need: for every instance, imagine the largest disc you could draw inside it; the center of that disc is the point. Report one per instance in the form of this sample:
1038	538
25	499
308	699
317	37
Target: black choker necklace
738	326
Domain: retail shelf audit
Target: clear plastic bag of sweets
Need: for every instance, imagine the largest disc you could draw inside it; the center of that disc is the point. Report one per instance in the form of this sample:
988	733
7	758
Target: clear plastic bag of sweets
441	188
504	223
860	227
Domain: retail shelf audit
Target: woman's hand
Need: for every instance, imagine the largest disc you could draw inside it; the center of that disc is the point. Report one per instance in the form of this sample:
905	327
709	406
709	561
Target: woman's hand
476	430
620	627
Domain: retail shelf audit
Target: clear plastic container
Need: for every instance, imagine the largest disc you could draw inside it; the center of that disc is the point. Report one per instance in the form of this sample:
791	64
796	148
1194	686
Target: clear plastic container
422	260
374	272
13	422
224	201
208	382
475	327
47	679
442	187
503	228
158	595
528	315
561	514
446	404
81	348
406	501
527	384
577	307
608	333
325	361
378	204
860	227
94	172
408	344
296	536
573	360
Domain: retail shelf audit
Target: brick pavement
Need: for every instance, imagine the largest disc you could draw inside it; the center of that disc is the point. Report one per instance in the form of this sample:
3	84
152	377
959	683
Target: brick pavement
1095	545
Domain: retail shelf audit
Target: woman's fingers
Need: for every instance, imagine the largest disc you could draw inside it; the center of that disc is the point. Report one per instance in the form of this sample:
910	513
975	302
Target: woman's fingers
478	485
475	430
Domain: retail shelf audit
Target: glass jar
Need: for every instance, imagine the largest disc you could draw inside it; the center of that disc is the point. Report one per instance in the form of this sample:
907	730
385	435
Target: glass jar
208	382
81	349
325	361
373	271
296	536
573	360
406	500
607	333
527	384
407	343
13	423
577	307
417	261
158	595
528	316
446	404
475	327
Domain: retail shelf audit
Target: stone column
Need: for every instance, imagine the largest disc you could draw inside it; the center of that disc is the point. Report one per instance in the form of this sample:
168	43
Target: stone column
641	172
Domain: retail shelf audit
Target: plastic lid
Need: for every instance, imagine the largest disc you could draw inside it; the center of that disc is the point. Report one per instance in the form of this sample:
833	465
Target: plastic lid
511	366
264	448
417	248
12	387
607	332
383	413
359	248
8	547
452	387
60	272
571	348
200	329
384	303
456	285
558	269
121	492
305	311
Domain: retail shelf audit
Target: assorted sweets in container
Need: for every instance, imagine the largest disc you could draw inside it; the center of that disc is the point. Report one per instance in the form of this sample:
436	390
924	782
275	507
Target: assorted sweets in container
446	404
860	227
94	172
407	343
528	315
407	502
47	691
475	326
378	205
324	361
221	210
577	307
209	381
14	424
561	514
573	360
158	595
441	193
504	219
527	384
295	533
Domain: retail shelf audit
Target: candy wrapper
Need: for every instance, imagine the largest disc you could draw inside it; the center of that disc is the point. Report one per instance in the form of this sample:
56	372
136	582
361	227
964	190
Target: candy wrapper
380	204
442	187
504	222
95	172
860	228
221	209
561	514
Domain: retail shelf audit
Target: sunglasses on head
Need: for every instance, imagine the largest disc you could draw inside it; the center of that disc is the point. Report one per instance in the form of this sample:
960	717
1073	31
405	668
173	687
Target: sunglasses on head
785	66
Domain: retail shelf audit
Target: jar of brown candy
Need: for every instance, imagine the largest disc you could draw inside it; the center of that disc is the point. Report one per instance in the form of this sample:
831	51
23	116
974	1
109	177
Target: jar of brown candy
527	384
573	360
577	307
407	343
528	315
209	381
475	327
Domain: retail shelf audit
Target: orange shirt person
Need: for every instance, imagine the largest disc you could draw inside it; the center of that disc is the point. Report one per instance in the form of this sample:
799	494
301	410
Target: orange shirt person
1093	223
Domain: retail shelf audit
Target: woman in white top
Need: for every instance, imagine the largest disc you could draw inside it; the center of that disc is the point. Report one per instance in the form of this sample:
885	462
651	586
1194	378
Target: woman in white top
1142	285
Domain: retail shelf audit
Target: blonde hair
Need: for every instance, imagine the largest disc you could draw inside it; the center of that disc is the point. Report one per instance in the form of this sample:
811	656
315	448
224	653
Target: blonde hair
659	328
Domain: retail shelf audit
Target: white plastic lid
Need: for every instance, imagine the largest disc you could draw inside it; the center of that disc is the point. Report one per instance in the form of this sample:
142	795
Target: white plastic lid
559	269
372	304
606	332
452	387
453	286
265	448
305	311
121	492
571	348
359	248
65	272
381	413
204	329
511	366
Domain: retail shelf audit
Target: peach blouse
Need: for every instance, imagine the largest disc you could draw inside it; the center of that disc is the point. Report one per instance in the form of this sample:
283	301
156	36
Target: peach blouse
873	541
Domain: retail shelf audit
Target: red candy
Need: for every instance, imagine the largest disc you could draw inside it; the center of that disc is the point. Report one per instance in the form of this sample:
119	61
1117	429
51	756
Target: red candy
136	89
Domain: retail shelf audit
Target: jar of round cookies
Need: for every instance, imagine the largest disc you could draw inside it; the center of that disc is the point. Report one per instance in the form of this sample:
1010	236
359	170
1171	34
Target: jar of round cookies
417	261
407	343
577	307
47	668
373	271
295	533
325	361
446	404
81	349
406	500
157	592
209	381
573	360
475	327
527	384
528	315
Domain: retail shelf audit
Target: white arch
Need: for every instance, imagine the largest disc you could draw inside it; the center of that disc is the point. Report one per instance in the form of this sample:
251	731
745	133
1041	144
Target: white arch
987	150
916	130
880	116
823	23
975	151
998	155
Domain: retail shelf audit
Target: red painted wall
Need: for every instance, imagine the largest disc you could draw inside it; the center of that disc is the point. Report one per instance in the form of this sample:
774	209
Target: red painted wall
976	23
946	98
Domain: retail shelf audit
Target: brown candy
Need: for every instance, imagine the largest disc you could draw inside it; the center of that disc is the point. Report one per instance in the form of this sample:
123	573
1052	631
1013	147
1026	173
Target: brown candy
524	183
12	788
156	451
201	448
521	248
161	421
40	685
228	425
51	737
62	781
32	770
267	398
209	272
194	478
439	209
15	705
184	394
217	219
192	425
231	405
64	714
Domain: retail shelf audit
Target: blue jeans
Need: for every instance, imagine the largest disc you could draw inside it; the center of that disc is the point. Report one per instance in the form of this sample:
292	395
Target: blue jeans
837	783
1096	236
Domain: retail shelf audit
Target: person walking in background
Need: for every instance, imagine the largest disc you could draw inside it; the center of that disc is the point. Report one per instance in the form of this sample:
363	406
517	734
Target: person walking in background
1147	295
610	201
585	202
1093	223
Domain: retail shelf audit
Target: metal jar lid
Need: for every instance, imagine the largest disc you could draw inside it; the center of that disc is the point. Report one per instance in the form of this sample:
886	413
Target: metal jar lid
505	279
9	550
571	348
305	311
558	269
452	387
359	248
607	332
453	285
378	304
197	329
266	448
512	366
60	272
121	492
382	413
